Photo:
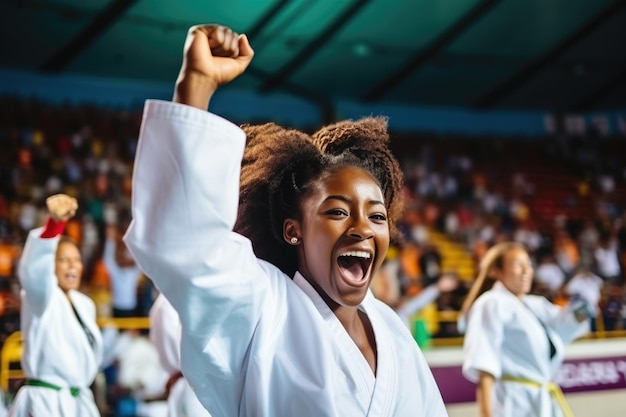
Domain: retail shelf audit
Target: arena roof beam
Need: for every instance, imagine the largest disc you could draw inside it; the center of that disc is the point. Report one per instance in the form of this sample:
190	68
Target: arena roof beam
100	23
517	80
312	48
325	105
422	56
607	88
266	18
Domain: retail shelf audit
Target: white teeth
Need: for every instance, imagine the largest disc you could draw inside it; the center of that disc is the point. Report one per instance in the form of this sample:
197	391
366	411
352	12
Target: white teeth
358	254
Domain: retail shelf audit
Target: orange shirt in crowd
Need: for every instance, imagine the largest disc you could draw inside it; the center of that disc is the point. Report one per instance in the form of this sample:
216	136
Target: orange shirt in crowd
8	257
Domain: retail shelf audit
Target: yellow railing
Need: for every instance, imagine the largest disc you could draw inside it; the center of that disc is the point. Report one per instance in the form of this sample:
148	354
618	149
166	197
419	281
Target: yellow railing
125	323
11	352
12	349
452	316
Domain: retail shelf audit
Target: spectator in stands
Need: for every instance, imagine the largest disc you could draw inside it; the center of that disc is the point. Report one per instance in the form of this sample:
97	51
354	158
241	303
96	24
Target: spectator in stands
527	234
612	307
607	260
588	286
387	285
430	265
588	241
445	283
514	342
123	272
320	208
10	306
549	275
62	342
566	252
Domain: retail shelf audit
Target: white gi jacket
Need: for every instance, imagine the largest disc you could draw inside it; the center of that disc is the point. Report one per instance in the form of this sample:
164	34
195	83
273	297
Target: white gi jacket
255	343
165	334
505	338
56	348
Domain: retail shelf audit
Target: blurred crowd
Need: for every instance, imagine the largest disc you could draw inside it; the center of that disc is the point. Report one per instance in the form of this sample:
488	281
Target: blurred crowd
563	197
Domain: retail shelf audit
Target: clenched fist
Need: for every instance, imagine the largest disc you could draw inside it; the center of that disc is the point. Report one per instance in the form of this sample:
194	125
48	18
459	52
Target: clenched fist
213	56
62	207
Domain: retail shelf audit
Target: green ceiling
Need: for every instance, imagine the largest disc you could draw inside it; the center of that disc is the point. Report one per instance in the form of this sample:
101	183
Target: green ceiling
556	55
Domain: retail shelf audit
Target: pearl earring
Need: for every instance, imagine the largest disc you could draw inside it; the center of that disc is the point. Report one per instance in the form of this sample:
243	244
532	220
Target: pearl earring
294	240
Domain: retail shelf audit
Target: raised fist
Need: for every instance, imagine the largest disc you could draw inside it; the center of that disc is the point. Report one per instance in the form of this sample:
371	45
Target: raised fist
216	53
61	206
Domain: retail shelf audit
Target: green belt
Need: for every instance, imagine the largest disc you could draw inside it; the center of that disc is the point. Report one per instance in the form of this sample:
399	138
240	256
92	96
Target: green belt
43	384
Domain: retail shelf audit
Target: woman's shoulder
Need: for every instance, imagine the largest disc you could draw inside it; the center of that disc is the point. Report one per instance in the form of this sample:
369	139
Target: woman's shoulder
539	303
494	302
492	297
82	298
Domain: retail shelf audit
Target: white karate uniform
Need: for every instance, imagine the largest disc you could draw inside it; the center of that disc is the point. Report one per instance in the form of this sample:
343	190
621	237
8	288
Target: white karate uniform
255	343
505	338
165	334
56	348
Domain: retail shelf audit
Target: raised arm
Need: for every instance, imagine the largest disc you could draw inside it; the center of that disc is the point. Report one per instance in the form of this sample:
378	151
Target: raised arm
37	263
564	320
108	255
185	201
186	177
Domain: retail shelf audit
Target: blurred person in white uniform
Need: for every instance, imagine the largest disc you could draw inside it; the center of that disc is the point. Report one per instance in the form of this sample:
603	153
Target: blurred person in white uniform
272	290
62	342
514	342
549	274
165	335
141	377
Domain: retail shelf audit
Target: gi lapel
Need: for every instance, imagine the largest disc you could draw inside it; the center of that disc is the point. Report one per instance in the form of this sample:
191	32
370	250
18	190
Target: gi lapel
545	329
90	337
386	369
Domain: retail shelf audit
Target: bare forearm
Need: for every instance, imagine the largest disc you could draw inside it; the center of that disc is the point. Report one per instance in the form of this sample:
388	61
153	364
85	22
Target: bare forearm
194	90
484	391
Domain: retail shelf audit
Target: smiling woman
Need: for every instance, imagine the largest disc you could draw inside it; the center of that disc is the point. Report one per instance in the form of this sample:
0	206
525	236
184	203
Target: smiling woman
62	342
515	342
68	266
266	246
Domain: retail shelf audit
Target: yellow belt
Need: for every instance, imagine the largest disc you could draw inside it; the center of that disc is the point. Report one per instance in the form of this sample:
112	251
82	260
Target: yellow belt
552	388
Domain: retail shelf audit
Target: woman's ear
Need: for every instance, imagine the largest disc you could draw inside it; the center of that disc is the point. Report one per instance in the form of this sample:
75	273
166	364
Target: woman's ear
291	231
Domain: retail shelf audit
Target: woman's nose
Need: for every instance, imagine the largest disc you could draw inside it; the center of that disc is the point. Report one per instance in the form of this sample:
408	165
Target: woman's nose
361	230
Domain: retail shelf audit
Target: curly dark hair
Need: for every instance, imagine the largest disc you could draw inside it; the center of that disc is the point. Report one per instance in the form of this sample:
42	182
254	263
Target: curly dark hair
279	165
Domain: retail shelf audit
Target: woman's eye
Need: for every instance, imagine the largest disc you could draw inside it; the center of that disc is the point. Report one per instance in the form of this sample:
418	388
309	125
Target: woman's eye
379	217
337	212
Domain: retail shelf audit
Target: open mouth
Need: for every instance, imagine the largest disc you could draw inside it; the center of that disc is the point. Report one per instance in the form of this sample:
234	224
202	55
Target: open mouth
354	265
71	276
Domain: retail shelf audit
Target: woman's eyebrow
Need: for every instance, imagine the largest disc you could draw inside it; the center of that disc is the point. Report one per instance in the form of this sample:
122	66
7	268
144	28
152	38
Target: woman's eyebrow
349	200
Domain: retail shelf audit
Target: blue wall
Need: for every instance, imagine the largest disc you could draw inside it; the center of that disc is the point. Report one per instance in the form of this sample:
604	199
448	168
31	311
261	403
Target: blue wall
242	106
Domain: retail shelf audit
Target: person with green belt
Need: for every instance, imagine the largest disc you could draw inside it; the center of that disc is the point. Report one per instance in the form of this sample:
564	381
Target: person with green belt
62	342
